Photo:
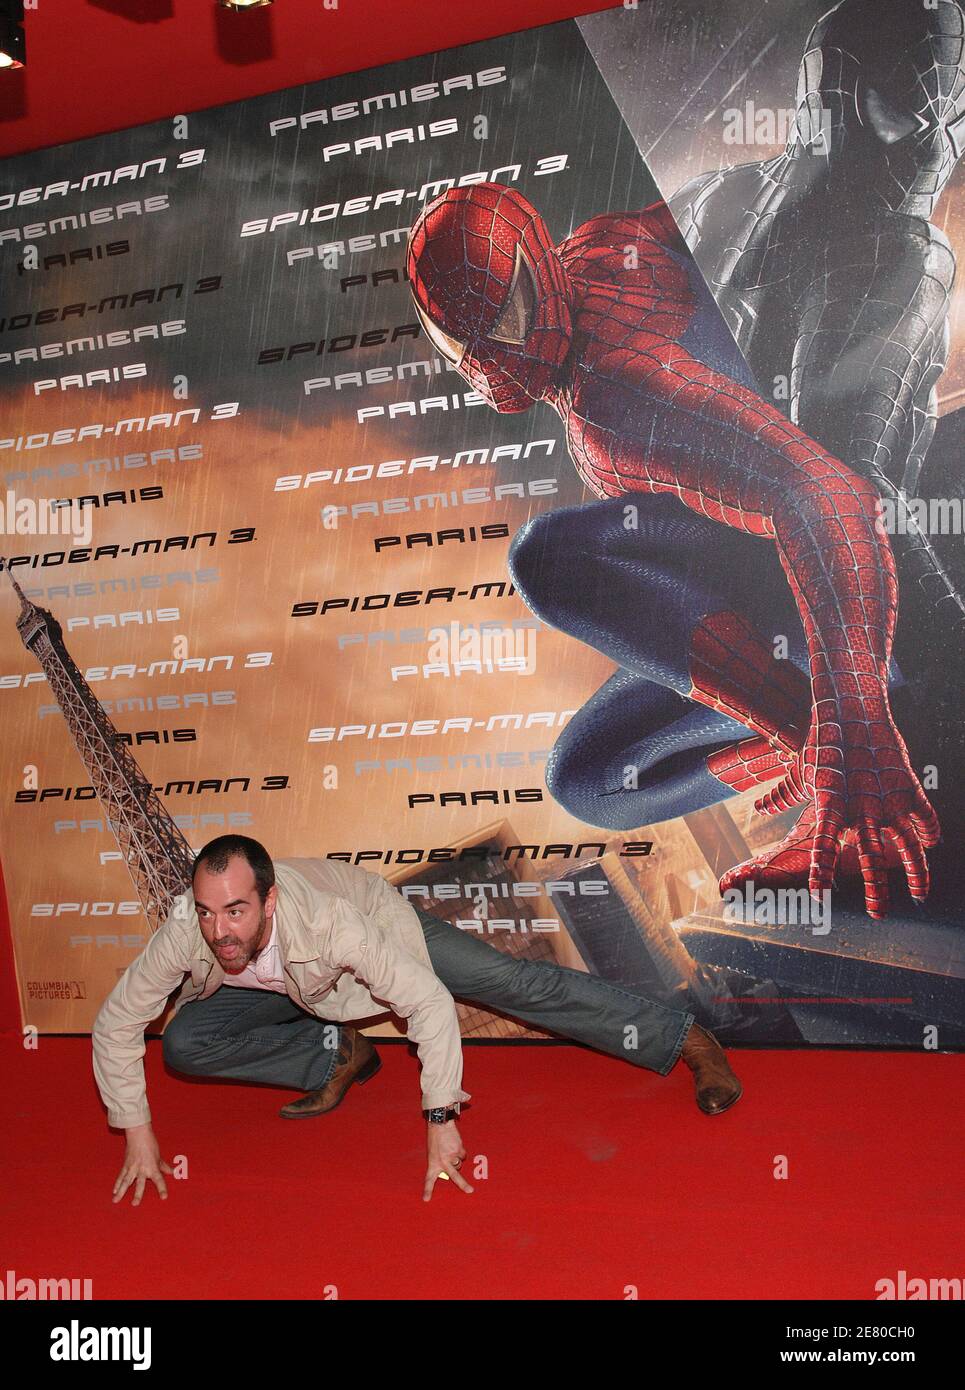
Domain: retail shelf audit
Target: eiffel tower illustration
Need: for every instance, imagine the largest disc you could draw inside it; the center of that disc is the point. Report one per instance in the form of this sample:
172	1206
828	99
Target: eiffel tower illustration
158	857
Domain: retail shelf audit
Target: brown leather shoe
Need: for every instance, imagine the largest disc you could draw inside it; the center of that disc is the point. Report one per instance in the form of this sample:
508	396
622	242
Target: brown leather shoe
716	1085
357	1061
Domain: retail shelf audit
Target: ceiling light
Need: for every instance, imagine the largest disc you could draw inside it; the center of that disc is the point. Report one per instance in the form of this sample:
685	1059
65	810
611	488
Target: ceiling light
13	50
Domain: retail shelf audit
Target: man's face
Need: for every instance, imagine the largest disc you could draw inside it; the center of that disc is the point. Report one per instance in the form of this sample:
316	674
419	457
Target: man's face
233	920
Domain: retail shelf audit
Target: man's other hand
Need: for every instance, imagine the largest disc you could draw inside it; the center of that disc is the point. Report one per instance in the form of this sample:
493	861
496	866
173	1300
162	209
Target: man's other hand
142	1161
446	1155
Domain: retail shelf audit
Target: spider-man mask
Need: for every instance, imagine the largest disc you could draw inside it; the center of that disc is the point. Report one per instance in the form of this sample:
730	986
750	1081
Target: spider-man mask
491	292
890	115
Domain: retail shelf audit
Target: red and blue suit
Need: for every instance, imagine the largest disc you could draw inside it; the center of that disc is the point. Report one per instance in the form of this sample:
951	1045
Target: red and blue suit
728	677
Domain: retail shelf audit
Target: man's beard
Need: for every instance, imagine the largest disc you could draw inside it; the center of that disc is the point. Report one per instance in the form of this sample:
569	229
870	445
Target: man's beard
237	963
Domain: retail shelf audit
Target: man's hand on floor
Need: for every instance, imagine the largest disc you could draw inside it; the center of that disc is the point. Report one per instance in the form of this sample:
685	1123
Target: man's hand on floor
142	1162
446	1155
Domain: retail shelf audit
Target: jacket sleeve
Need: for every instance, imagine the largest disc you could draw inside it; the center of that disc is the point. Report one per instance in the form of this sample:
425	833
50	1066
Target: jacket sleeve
411	990
136	999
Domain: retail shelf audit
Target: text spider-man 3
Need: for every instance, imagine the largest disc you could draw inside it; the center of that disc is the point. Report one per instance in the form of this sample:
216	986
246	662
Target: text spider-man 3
615	329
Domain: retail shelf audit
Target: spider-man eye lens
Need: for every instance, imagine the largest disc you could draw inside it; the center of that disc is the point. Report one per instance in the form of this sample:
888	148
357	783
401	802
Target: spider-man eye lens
956	133
513	324
887	122
450	349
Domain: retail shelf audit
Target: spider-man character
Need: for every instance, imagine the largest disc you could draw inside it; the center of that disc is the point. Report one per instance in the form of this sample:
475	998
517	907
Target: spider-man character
828	269
616	330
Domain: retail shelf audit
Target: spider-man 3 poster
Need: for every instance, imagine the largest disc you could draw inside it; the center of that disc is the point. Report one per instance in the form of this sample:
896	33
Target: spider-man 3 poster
530	472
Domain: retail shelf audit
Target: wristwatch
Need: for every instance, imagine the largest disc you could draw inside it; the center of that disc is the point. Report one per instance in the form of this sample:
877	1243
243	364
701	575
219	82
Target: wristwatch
441	1114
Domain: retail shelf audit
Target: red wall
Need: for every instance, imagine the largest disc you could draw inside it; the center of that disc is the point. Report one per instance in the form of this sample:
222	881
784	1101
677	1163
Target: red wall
100	65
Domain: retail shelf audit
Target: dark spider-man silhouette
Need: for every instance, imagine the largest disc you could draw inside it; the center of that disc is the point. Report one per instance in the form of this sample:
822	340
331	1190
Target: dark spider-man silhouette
826	266
616	330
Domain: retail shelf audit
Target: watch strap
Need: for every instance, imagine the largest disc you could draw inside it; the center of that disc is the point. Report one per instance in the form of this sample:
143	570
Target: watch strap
440	1114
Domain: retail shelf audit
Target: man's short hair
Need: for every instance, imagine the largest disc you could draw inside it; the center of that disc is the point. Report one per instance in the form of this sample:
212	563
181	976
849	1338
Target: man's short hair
216	855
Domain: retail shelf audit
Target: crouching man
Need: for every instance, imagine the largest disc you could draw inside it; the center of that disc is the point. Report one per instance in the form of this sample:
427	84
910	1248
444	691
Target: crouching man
280	953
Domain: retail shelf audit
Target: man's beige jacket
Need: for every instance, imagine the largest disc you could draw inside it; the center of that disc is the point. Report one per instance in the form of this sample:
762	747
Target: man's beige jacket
352	948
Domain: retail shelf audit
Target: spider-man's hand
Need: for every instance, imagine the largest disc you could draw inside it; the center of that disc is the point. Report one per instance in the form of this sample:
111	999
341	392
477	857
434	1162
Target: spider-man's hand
858	778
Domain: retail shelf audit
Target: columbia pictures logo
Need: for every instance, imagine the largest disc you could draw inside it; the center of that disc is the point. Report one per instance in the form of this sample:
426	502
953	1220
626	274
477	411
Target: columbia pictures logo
40	990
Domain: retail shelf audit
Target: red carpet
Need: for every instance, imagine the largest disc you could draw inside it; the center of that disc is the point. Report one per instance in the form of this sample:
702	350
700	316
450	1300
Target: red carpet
600	1176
